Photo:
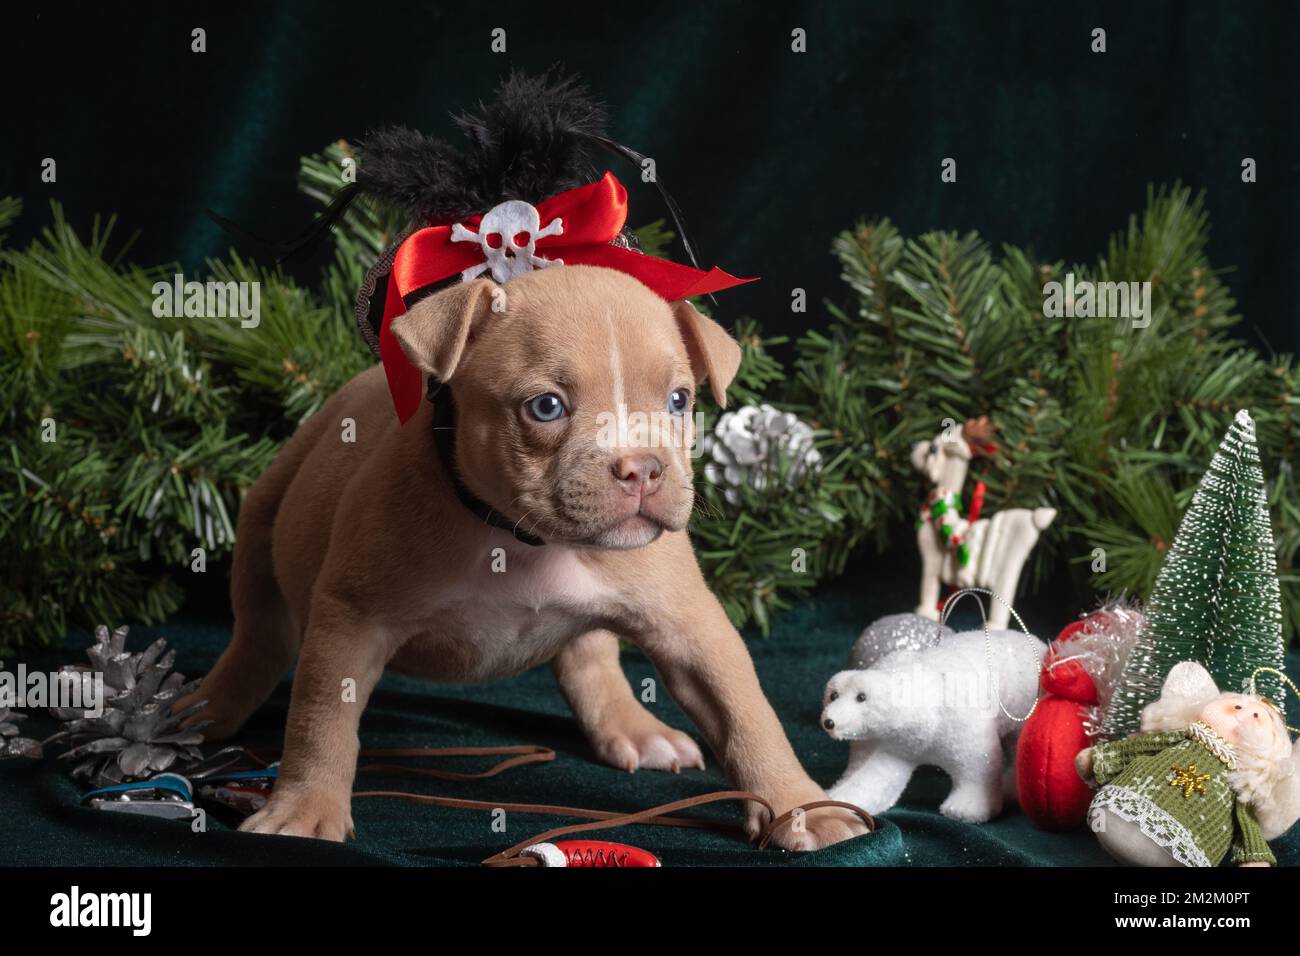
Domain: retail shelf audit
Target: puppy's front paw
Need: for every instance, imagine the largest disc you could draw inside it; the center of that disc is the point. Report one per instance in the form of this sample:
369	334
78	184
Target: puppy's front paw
222	717
806	831
304	812
639	741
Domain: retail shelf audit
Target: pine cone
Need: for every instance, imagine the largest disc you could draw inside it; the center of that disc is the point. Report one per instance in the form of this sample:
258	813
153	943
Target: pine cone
137	735
748	446
11	745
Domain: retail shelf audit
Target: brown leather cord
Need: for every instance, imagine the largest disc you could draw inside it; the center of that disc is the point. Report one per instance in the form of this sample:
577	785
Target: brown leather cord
525	754
599	819
655	815
513	855
517	755
549	809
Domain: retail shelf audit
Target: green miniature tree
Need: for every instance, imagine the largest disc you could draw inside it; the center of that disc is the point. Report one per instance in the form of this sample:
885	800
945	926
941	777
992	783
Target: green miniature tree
1217	599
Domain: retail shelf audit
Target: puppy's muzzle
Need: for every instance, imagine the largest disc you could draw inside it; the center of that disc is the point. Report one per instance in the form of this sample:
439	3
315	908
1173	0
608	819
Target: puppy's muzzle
639	474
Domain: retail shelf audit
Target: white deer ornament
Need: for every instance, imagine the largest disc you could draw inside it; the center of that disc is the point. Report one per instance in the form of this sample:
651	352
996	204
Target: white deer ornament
985	553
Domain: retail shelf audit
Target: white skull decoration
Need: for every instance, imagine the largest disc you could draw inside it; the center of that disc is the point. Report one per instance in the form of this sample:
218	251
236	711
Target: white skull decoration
508	235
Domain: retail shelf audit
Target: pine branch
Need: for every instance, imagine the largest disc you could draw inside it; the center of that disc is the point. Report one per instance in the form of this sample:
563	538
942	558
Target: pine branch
1109	423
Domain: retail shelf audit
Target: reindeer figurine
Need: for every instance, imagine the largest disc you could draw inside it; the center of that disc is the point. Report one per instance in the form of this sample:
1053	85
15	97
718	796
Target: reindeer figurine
969	551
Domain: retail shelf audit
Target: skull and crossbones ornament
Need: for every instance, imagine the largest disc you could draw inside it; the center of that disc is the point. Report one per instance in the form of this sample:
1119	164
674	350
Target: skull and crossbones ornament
508	235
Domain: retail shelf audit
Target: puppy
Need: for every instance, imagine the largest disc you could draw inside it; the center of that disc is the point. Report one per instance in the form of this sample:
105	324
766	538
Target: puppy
357	556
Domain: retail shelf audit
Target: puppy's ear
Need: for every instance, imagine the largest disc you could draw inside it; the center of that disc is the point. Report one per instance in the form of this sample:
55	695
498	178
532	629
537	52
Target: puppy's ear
713	352
436	330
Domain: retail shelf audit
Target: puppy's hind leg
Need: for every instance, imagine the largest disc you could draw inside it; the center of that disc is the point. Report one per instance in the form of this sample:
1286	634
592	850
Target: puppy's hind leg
621	731
266	639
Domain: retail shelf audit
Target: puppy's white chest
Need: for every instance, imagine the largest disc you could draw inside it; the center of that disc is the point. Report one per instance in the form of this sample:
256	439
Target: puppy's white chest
511	613
540	578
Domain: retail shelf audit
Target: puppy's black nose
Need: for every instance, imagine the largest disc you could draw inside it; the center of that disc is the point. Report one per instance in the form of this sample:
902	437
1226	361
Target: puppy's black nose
828	724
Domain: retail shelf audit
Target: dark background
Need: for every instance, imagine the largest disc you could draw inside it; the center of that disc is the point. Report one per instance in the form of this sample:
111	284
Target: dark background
769	152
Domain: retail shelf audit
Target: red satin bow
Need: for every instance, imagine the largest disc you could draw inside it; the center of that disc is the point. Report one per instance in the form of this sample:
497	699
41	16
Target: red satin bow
592	216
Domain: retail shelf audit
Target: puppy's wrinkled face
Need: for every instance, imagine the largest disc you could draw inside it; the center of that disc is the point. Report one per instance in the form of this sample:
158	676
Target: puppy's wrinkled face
575	399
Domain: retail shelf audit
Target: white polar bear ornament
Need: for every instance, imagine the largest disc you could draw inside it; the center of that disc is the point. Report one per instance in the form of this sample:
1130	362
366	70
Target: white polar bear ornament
936	706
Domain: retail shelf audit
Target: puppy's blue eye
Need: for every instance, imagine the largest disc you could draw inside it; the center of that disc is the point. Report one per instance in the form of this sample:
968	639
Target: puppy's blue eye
546	408
679	401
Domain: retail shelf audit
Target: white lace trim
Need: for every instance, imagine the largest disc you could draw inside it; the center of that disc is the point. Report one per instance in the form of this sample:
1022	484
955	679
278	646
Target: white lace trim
1207	738
1161	828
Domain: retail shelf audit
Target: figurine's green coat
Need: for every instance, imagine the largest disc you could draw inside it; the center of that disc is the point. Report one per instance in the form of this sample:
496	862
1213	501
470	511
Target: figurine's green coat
1175	787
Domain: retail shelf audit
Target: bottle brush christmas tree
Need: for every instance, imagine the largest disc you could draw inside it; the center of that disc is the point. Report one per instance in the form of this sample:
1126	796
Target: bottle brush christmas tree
1217	599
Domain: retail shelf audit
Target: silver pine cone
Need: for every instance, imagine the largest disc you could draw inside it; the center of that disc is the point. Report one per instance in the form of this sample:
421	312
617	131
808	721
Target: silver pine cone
137	735
755	445
11	745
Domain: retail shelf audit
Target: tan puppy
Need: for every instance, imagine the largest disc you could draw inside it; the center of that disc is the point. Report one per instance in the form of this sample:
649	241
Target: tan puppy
357	556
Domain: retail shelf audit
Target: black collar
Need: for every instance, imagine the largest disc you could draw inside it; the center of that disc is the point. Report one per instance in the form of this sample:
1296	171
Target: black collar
444	440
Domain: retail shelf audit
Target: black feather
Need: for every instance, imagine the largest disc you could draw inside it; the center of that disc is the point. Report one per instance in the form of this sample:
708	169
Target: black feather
535	139
419	174
532	141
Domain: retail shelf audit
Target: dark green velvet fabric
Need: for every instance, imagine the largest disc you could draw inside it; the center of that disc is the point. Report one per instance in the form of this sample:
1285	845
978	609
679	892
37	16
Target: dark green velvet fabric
42	823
